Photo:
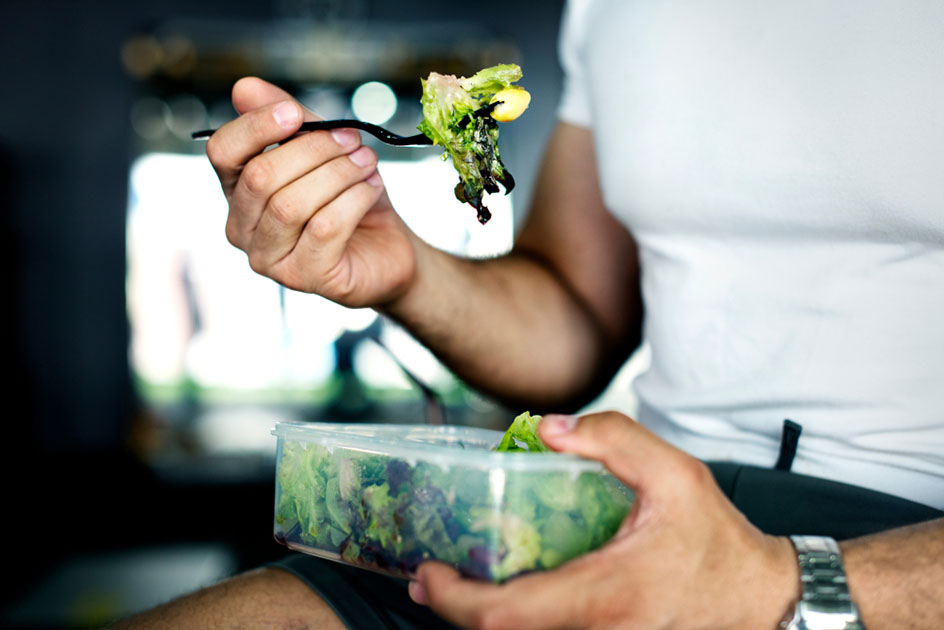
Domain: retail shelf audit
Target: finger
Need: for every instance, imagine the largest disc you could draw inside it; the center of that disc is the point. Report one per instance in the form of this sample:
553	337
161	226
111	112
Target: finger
326	240
318	203
531	602
274	170
235	143
251	93
632	453
226	152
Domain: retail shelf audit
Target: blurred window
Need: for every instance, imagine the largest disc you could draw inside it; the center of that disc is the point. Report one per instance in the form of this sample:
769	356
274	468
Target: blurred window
208	334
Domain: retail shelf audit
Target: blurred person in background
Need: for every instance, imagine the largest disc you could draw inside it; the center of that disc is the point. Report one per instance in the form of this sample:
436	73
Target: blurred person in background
754	191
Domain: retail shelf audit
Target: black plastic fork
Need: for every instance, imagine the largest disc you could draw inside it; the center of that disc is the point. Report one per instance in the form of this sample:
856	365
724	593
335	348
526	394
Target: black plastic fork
382	134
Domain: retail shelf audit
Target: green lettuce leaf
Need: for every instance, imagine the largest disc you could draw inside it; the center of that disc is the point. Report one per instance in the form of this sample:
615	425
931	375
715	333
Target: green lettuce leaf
488	82
381	509
456	117
522	435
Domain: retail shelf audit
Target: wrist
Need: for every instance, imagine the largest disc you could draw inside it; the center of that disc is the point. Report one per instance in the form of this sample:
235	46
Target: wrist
764	593
781	590
402	303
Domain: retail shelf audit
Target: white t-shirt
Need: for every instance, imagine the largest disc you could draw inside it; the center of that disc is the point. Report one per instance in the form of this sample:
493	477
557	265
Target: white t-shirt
781	165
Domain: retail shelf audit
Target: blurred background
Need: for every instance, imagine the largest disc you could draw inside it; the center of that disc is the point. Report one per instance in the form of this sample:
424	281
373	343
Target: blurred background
147	362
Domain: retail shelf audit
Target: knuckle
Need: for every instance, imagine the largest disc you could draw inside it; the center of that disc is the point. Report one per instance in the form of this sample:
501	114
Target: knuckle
340	284
257	262
290	280
322	227
232	235
257	176
695	472
215	150
282	209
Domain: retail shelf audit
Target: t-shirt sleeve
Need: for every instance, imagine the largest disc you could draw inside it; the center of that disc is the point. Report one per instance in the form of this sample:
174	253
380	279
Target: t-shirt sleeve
574	105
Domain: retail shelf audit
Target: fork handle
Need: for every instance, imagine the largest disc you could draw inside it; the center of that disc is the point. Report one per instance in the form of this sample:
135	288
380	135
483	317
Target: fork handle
375	130
344	123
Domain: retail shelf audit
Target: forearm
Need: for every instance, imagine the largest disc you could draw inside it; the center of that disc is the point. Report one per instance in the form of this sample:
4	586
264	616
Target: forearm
508	326
549	324
897	577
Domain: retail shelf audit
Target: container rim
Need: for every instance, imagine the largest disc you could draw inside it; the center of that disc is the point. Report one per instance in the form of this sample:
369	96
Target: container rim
406	441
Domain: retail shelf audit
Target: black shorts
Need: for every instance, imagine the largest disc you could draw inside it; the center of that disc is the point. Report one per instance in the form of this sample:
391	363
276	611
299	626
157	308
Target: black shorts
777	502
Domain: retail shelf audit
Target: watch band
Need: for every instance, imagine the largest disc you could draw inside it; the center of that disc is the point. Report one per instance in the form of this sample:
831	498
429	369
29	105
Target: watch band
825	603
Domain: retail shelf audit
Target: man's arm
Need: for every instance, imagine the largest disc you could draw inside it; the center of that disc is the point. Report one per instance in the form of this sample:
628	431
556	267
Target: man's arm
897	577
549	324
545	326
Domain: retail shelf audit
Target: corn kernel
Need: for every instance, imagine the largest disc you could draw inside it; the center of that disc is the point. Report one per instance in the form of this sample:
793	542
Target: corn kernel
511	103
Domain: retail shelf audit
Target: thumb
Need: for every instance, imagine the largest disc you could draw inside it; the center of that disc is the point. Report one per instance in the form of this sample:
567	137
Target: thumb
631	453
251	93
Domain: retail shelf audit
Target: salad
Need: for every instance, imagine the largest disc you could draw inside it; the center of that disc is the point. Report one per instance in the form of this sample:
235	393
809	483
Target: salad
462	115
390	514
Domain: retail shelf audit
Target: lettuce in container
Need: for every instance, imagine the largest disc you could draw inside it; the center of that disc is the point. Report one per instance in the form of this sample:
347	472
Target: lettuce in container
461	114
387	498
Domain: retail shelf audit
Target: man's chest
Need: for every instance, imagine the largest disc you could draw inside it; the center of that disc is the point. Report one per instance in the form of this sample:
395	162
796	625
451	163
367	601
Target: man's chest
778	118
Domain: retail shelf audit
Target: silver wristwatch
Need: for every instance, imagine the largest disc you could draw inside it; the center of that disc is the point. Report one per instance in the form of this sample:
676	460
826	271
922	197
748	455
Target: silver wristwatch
825	603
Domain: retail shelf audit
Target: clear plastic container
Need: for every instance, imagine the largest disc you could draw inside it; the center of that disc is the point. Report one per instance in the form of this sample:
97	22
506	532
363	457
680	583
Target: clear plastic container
387	497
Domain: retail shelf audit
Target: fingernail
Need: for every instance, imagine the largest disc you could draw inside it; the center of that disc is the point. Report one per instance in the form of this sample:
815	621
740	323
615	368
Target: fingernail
344	137
286	114
375	180
362	157
417	593
557	424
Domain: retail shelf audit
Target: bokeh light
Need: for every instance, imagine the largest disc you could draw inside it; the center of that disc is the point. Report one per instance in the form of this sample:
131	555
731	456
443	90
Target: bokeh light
374	102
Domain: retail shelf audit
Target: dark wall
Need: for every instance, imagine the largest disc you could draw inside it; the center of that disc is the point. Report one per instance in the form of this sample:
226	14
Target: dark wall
65	134
65	149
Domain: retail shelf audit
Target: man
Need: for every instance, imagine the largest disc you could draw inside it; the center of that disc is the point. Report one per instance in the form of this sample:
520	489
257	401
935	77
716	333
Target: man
764	178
